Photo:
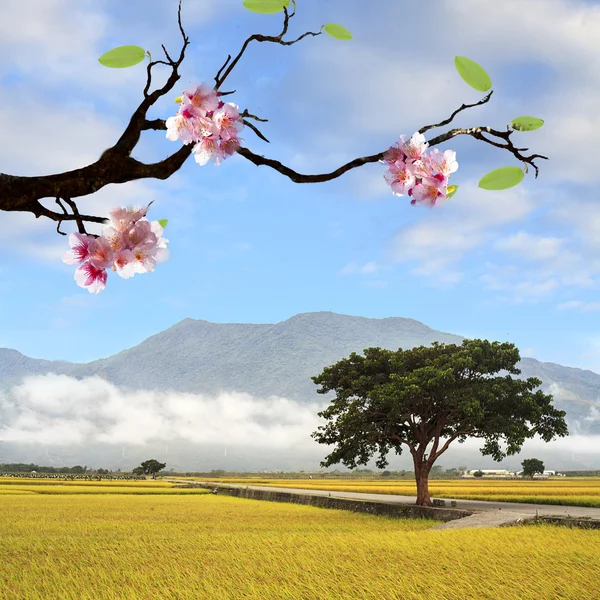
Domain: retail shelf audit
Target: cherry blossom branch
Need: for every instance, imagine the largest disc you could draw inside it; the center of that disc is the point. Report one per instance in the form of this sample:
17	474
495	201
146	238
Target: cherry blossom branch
475	132
115	165
229	64
451	117
131	135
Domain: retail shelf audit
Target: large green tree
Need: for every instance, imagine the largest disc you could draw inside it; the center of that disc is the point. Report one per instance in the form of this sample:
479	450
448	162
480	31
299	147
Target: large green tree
531	466
432	395
152	467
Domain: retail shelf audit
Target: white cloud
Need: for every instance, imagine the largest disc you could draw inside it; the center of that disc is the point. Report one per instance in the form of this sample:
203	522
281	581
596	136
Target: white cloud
356	269
56	409
584	306
562	35
440	239
531	247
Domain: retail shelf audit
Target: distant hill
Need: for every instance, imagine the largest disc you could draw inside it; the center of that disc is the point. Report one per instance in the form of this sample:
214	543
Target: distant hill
279	359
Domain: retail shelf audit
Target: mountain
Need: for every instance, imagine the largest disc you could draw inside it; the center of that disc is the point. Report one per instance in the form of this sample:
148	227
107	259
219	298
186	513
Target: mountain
262	360
279	359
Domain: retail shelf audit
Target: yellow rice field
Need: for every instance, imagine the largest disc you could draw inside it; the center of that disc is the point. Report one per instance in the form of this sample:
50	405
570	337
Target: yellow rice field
134	547
18	485
574	491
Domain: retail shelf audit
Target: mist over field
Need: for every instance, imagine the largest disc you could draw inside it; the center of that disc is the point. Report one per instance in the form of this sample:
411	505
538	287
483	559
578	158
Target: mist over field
58	420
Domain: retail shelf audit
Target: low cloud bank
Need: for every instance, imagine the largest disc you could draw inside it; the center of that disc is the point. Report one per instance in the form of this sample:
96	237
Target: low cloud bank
60	410
229	430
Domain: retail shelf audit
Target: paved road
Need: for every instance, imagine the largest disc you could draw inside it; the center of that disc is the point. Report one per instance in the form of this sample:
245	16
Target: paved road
516	509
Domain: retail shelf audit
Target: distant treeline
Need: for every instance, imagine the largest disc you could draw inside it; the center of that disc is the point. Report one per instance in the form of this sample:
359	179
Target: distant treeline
73	476
436	472
24	468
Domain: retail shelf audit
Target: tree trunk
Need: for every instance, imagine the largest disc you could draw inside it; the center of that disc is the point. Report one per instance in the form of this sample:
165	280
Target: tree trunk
422	479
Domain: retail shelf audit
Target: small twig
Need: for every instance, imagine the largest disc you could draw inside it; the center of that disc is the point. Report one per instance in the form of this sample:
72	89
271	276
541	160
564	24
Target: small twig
221	70
61	220
78	219
249	116
256	130
451	117
257	37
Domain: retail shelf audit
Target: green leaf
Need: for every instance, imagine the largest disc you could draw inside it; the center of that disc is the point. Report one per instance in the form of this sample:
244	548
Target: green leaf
526	123
163	222
337	31
122	56
473	74
266	7
502	179
451	191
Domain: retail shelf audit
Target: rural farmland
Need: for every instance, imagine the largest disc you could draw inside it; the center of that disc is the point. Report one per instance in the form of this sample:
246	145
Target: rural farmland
574	491
155	542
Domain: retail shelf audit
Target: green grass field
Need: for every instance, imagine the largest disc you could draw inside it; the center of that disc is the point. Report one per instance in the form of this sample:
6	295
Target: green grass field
574	491
147	546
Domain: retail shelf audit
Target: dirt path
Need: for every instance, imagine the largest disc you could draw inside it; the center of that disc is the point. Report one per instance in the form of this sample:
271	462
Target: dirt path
487	514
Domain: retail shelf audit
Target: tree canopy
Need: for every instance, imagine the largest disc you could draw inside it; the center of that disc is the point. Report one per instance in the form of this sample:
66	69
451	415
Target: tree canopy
150	467
531	466
432	395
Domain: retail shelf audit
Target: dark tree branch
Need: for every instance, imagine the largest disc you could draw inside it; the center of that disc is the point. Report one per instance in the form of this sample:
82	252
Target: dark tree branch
19	193
256	130
131	135
246	114
475	132
451	117
229	64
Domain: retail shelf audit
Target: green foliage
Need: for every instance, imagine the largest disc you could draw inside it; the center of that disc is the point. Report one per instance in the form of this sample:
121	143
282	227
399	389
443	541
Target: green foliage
266	7
526	123
122	57
478	474
151	467
531	466
337	31
473	74
387	399
502	178
163	222
452	189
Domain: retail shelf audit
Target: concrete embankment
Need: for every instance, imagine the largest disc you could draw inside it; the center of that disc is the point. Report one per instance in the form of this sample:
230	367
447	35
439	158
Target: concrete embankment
481	514
365	506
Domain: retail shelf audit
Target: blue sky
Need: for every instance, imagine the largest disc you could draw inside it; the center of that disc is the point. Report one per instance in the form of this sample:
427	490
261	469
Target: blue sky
247	245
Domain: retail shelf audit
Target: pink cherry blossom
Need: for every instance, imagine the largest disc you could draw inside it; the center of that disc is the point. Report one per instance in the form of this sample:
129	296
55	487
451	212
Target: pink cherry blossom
207	149
230	147
88	276
421	167
144	260
205	127
400	179
122	219
228	120
141	235
415	147
443	162
124	263
101	254
115	238
180	128
200	100
430	192
79	252
393	155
